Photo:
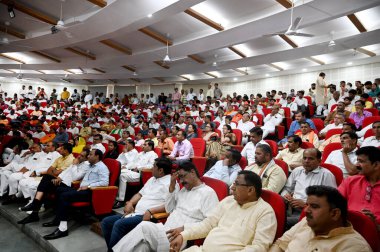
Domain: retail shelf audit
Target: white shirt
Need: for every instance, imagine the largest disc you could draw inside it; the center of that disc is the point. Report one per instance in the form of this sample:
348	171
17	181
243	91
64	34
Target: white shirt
74	131
227	174
154	193
331	126
371	141
272	121
98	146
299	180
88	98
300	102
190	96
74	172
336	158
200	97
331	103
245	127
283	102
44	161
38	134
143	160
189	206
249	151
127	157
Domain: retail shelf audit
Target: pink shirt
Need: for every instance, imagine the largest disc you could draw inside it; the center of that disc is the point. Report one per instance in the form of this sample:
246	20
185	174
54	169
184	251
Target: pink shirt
354	189
176	96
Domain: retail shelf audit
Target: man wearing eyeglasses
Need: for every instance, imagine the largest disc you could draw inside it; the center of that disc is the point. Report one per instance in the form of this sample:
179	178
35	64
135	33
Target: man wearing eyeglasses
97	143
362	191
241	222
193	203
183	149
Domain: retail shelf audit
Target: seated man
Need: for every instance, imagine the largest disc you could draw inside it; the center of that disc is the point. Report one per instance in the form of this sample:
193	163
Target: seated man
165	143
307	134
226	228
340	108
97	143
325	227
272	176
373	140
256	137
362	191
191	204
345	158
149	200
271	121
131	173
226	169
62	136
301	178
50	183
128	155
28	186
152	136
347	127
337	124
183	149
293	154
245	125
97	175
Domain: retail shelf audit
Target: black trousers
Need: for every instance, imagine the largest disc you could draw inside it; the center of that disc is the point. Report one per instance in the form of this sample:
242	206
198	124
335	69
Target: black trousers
46	185
68	195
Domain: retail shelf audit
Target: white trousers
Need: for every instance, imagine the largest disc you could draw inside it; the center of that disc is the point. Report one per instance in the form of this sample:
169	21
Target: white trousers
147	236
14	179
28	187
268	130
125	177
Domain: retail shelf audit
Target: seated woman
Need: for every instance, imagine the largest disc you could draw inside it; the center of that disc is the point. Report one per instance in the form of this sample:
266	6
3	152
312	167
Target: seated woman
112	150
79	144
208	132
228	138
191	132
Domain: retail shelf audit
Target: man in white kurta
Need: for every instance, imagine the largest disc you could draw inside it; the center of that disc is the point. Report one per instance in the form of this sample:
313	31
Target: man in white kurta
256	137
191	204
131	173
242	222
271	121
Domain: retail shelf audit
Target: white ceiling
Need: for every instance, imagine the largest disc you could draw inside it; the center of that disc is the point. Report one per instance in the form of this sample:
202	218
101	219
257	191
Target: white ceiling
245	23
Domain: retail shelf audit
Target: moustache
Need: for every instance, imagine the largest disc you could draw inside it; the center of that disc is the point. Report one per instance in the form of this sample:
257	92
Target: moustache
309	216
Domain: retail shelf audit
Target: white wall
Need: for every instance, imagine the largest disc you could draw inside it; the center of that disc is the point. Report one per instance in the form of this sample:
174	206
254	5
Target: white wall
303	80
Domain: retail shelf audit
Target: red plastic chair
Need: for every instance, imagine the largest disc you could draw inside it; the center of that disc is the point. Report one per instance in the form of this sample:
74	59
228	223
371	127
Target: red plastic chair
116	136
267	111
158	151
332	132
363	225
146	174
259	117
319	124
103	197
374	111
219	187
218	132
306	145
333	107
174	139
200	163
338	173
368	120
199	146
243	163
120	148
273	146
369	133
329	148
283	165
139	148
278	205
239	136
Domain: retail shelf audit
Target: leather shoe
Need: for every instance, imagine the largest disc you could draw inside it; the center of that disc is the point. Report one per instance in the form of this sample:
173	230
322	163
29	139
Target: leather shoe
56	234
50	224
31	218
27	208
118	204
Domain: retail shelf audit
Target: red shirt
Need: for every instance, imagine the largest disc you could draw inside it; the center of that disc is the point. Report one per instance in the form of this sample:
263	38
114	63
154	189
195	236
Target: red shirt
354	189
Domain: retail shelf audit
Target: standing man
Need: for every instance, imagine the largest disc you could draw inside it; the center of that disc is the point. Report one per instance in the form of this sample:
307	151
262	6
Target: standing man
210	91
217	92
65	95
321	90
201	95
176	97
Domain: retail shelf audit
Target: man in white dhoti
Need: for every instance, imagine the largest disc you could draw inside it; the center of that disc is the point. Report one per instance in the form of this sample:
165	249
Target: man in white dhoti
191	204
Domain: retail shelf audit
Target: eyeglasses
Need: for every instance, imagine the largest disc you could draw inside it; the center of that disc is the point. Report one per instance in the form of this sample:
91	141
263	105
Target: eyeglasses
238	184
181	176
368	193
96	138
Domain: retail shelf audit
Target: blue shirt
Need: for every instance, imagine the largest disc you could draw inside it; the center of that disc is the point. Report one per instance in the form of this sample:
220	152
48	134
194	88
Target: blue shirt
296	126
96	175
61	138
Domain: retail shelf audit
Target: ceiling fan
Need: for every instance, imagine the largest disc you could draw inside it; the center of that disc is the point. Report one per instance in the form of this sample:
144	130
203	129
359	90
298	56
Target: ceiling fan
19	76
167	59
6	41
292	30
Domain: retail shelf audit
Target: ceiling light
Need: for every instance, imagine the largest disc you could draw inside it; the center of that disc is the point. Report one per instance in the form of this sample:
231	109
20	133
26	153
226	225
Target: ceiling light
5	41
349	63
332	43
235	79
11	12
267	75
214	64
135	73
304	70
150	15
